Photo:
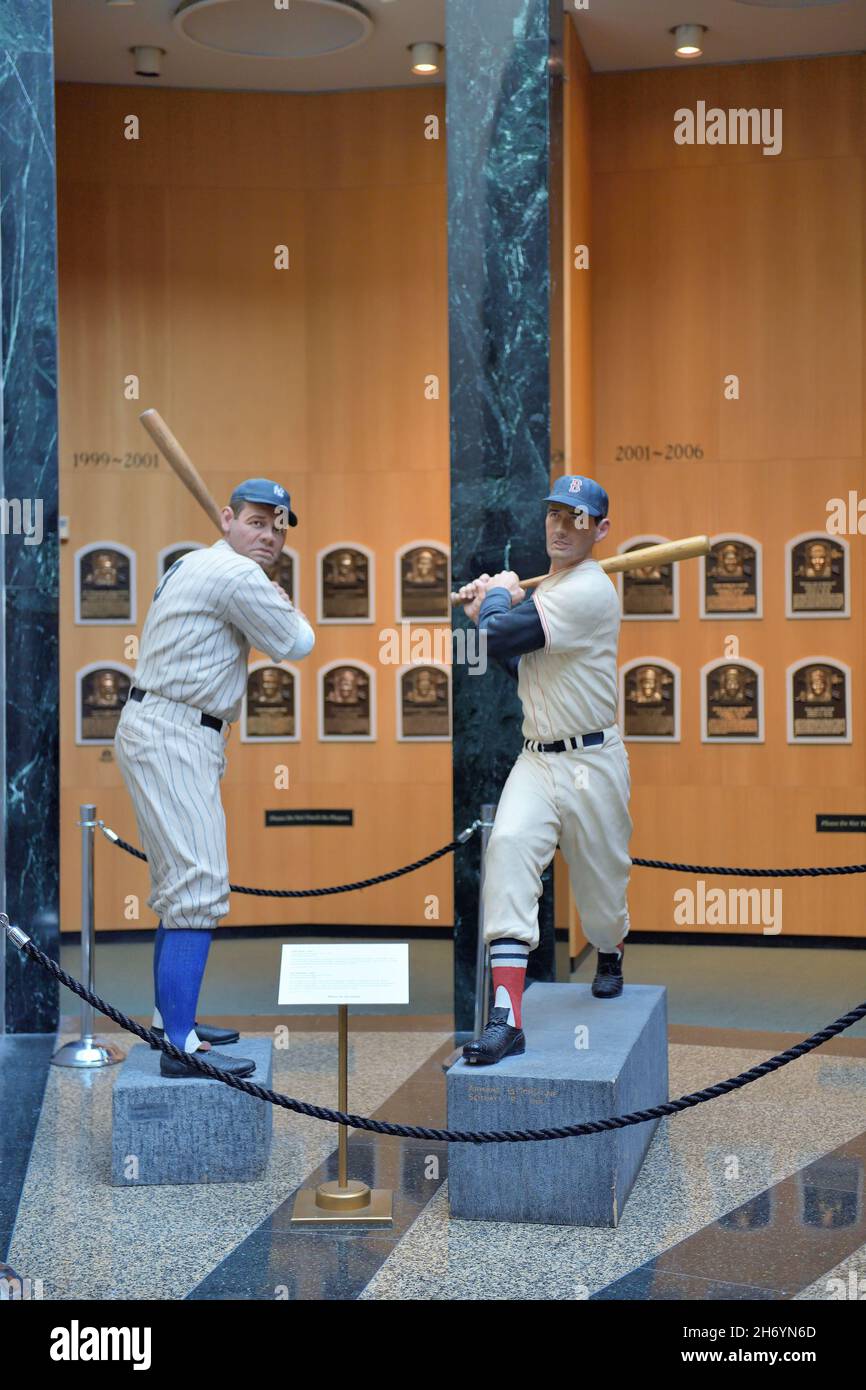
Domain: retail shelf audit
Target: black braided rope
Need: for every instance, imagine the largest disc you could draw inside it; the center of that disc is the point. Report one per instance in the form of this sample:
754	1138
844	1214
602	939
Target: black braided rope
816	872
315	892
508	1136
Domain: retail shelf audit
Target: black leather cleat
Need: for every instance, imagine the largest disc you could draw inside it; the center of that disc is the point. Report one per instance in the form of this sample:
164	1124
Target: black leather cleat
219	1037
608	976
236	1066
498	1040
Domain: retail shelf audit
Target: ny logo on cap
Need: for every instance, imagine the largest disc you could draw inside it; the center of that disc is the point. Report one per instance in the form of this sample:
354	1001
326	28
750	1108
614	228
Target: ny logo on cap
575	485
278	491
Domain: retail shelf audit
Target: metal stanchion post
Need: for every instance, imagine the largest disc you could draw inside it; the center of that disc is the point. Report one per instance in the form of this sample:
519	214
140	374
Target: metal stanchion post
87	1052
346	1200
482	955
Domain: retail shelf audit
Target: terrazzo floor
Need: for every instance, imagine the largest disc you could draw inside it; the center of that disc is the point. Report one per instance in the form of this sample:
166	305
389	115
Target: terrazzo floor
758	1194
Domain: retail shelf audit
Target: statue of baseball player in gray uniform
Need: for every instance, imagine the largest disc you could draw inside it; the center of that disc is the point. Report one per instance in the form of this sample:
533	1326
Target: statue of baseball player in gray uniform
570	785
210	607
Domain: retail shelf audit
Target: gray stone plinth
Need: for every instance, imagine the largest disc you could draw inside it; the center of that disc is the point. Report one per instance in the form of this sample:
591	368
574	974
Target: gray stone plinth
623	1067
189	1131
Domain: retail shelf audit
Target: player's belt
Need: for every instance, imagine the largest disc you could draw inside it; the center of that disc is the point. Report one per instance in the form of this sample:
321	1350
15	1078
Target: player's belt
210	721
565	745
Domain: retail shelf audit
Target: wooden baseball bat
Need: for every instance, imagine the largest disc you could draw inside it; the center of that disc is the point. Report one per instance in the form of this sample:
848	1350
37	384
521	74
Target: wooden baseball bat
172	450
686	549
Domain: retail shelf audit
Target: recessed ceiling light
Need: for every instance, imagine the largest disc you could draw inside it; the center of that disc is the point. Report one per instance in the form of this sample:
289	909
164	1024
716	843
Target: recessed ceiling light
148	61
425	57
689	39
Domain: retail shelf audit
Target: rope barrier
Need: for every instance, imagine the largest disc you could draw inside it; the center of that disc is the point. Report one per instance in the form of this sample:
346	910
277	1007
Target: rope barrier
314	892
340	1117
815	872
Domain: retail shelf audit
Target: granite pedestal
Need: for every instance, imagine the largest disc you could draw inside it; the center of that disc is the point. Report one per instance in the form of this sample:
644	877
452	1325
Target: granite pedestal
622	1067
189	1131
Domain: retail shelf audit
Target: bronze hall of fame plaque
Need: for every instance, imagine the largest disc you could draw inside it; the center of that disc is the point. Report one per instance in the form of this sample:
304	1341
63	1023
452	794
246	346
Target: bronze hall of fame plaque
105	583
102	690
730	579
167	557
651	590
817	577
650	700
422	582
819	701
270	709
346	702
345	584
732	708
424	703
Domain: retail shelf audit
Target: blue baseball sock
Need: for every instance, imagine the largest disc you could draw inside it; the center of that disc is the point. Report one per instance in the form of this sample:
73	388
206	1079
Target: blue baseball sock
182	961
157	952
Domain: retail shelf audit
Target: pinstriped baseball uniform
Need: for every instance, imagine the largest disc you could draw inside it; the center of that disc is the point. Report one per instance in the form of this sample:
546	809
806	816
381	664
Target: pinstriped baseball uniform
577	799
210	607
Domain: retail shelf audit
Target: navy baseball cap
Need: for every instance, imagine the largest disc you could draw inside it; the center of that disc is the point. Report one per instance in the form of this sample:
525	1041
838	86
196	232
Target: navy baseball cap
266	493
584	493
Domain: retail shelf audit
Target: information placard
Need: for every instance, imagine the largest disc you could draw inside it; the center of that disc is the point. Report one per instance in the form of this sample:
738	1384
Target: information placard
343	973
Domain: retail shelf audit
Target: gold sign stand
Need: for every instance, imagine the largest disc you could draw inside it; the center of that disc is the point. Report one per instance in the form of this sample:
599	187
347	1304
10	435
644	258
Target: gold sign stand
349	1202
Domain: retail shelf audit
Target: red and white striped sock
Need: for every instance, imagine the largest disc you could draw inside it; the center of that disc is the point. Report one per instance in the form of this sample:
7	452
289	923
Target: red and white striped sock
508	961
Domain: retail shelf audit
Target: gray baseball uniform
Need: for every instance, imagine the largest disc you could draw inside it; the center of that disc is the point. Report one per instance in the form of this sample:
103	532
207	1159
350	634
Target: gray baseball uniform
209	609
579	798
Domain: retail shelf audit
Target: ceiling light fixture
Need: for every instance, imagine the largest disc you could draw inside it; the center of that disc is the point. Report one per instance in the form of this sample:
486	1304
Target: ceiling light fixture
689	39
148	61
425	58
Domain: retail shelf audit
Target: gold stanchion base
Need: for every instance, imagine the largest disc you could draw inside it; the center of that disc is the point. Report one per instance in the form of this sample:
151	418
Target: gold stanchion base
355	1203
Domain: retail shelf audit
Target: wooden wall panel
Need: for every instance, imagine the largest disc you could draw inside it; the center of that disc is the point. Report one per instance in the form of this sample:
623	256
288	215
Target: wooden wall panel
710	260
315	376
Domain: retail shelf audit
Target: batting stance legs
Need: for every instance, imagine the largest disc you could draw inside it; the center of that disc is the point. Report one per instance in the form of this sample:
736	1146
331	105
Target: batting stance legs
575	799
172	766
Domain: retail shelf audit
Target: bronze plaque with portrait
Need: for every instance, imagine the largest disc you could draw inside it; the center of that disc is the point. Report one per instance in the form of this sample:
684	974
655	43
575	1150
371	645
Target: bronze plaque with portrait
104	692
346	712
177	554
732	702
424	708
731	578
105	592
817	580
283	573
649	590
820	702
650	693
424	583
270	703
345	584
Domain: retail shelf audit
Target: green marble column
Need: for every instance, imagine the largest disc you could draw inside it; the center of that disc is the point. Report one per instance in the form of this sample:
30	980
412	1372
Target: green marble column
504	288
29	479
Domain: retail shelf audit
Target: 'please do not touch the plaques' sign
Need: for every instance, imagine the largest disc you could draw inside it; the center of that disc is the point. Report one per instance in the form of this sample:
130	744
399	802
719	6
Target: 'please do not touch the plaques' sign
345	974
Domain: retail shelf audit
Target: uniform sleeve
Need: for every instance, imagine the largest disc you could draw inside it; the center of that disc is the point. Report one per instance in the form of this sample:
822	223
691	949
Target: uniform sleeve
269	623
509	631
571	612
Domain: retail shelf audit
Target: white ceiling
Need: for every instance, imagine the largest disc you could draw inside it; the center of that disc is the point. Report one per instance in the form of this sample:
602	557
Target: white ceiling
623	34
92	39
